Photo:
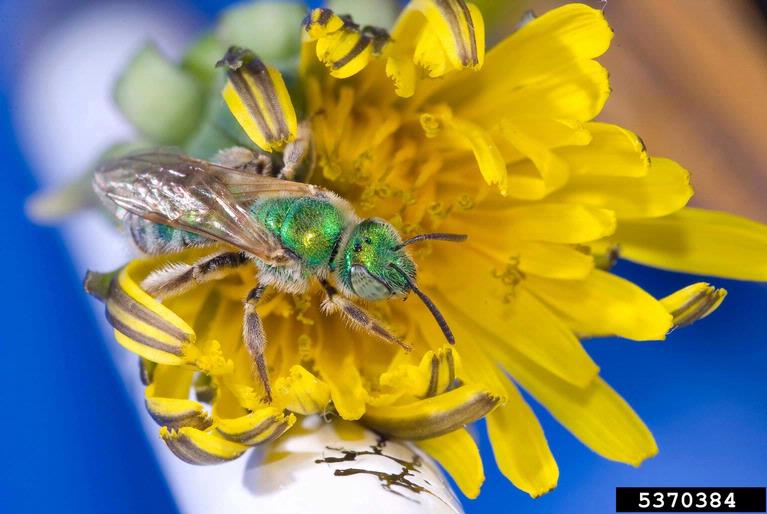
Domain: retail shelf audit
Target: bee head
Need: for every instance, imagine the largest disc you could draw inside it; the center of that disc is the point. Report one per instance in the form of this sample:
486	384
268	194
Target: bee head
374	265
365	267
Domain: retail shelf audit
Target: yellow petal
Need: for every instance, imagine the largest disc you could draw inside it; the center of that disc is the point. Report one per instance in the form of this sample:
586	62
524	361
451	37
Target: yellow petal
200	448
519	446
543	70
257	427
402	72
345	52
596	415
604	253
301	392
435	374
146	370
577	92
443	369
556	223
581	30
339	370
231	402
258	98
693	302
489	159
476	365
665	189
342	46
432	417
430	55
407	379
459	29
524	181
554	261
557	133
604	304
170	382
177	413
322	22
553	169
554	346
613	151
697	241
437	37
511	317
458	454
204	388
142	324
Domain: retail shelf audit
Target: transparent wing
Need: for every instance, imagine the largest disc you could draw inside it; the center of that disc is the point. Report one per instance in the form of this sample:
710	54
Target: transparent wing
204	198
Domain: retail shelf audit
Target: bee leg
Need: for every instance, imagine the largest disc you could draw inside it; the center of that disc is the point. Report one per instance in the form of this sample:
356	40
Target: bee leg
175	279
295	152
358	316
241	158
255	338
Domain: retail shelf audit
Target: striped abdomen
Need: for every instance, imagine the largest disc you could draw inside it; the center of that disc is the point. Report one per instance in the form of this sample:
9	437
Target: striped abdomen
155	238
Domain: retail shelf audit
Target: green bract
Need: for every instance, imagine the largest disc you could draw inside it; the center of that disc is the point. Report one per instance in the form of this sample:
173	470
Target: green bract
162	101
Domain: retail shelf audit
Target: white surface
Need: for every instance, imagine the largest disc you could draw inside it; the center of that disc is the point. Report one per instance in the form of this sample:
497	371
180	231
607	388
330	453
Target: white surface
63	129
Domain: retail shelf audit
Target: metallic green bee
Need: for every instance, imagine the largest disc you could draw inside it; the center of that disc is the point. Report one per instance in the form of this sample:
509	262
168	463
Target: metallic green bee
294	233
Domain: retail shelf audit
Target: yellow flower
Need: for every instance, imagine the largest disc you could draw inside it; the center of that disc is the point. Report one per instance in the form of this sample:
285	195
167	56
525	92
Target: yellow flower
422	127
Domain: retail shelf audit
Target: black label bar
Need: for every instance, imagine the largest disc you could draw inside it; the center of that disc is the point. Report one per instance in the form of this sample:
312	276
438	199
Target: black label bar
689	499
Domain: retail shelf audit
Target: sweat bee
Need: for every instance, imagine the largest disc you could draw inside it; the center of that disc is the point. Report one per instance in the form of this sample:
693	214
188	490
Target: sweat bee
294	232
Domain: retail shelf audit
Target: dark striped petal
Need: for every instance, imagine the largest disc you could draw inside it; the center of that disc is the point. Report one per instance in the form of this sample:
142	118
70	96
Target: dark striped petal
142	324
431	38
432	417
258	427
321	21
342	45
441	366
204	388
146	370
258	98
458	27
200	448
175	413
692	303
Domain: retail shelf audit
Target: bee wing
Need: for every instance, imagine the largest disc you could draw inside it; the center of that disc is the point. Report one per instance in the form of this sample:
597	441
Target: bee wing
247	186
194	195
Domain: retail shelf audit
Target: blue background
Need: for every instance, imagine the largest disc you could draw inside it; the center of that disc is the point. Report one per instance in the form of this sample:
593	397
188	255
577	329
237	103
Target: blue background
70	441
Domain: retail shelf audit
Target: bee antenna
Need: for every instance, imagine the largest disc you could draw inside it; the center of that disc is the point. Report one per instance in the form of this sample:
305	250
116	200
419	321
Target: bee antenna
438	317
441	236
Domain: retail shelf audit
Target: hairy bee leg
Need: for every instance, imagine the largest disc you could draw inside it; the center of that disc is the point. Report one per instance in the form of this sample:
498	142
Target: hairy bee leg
175	279
358	316
255	338
242	158
295	152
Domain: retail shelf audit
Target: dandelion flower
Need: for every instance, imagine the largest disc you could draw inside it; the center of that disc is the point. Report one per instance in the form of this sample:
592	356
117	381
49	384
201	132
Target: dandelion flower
423	127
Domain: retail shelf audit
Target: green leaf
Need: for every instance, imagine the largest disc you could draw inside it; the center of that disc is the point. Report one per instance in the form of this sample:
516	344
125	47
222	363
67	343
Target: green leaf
48	207
378	13
218	129
201	58
162	101
271	29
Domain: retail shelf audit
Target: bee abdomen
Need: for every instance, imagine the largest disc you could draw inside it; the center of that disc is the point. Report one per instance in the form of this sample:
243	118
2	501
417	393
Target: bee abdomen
156	238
